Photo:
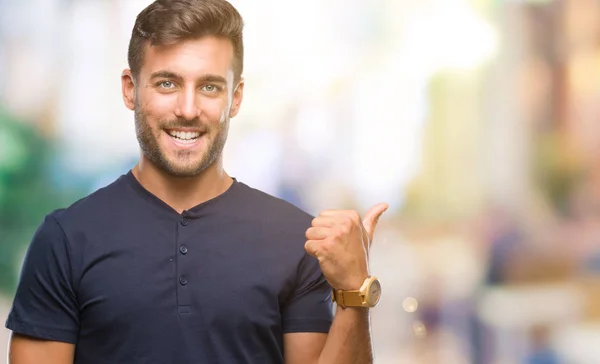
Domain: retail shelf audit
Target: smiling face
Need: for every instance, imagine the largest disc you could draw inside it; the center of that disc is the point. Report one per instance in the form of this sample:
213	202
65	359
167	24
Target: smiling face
183	98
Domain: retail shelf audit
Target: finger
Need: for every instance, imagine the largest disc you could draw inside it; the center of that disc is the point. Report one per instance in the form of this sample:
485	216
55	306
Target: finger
325	221
312	248
349	213
372	218
317	233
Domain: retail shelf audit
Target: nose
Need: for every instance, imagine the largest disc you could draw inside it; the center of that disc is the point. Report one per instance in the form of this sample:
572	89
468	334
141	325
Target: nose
187	104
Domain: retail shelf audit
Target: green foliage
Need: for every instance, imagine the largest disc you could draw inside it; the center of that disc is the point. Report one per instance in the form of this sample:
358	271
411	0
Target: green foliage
26	193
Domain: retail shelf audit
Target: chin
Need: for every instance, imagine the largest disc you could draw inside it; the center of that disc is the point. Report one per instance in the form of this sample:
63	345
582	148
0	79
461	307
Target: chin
186	169
182	172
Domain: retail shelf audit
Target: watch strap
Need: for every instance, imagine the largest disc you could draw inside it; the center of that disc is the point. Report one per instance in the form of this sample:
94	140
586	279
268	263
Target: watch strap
347	298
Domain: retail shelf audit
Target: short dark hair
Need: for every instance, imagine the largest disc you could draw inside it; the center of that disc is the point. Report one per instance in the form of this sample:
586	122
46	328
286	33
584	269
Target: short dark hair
170	21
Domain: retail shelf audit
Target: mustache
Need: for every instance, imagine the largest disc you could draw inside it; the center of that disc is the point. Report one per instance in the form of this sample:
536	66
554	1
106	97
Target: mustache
184	123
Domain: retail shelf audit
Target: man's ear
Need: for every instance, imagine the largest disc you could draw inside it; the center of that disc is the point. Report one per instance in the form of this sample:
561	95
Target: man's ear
128	89
238	95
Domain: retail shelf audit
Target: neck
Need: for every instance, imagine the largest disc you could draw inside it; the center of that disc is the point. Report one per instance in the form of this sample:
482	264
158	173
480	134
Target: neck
182	193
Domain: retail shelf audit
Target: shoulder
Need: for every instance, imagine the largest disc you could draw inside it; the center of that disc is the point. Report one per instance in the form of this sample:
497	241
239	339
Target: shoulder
269	208
96	205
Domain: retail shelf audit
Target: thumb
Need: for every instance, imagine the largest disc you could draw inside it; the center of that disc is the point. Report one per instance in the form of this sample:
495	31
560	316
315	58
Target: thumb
372	217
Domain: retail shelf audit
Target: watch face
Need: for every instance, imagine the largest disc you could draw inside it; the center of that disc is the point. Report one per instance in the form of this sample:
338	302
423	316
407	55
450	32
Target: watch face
374	293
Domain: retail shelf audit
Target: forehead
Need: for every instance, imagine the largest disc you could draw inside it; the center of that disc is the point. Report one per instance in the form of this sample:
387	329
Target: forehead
192	57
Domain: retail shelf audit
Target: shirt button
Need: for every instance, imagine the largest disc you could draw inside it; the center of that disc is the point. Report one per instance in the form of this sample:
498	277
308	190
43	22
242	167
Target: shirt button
183	249
184	221
183	281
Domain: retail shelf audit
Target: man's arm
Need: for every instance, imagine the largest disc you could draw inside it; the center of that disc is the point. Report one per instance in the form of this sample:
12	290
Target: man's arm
348	341
27	350
340	241
303	347
44	318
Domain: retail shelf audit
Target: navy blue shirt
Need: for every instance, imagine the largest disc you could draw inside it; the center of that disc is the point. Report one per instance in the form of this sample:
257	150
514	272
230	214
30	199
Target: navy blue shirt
129	280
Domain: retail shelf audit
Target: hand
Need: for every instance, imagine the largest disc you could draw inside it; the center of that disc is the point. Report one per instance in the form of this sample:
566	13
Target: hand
341	243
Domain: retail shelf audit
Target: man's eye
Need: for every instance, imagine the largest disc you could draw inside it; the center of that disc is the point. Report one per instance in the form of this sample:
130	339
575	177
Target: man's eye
166	84
210	88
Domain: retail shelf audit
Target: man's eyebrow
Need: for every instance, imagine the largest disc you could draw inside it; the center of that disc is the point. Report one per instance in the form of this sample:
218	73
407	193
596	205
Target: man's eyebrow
212	78
205	78
165	74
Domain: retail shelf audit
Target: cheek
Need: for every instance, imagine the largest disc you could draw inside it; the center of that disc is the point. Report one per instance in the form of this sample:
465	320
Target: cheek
214	109
156	108
163	103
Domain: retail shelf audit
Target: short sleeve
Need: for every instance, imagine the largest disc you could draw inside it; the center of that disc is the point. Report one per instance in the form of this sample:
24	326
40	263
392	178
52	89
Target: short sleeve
310	308
45	306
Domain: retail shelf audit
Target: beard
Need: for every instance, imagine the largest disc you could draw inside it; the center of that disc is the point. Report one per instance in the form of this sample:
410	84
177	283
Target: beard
185	163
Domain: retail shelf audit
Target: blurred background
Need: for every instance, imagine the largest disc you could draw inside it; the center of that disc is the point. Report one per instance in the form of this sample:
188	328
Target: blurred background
477	121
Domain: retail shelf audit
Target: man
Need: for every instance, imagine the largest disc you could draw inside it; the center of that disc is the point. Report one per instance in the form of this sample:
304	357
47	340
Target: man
176	261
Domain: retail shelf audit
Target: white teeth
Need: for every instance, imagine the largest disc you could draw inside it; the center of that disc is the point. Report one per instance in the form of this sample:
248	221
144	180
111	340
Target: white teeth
184	135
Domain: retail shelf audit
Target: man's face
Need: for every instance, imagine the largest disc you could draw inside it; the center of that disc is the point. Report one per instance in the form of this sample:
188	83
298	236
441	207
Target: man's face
183	99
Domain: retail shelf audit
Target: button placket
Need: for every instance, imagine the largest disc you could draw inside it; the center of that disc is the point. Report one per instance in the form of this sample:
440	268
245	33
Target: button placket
183	269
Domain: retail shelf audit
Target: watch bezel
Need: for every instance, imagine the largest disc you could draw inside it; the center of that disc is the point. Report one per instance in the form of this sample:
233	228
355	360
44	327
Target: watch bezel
369	300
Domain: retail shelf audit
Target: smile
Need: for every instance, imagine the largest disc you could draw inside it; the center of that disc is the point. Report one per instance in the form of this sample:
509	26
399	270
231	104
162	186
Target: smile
184	136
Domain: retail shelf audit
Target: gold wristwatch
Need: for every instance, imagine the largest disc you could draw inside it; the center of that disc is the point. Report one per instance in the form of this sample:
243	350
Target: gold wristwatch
367	296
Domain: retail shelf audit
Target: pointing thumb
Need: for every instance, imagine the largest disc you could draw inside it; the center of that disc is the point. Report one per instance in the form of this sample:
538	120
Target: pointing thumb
372	217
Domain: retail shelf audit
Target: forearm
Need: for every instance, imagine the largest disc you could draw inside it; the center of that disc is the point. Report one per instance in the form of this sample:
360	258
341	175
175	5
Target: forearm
349	339
27	350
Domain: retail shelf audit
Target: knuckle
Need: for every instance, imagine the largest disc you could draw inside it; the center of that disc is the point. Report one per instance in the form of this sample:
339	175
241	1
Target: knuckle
308	233
310	248
346	224
350	220
345	228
